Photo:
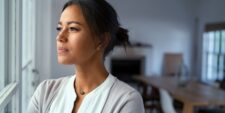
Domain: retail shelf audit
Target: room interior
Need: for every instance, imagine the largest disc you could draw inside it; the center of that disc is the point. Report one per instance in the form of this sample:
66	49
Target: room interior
176	59
166	36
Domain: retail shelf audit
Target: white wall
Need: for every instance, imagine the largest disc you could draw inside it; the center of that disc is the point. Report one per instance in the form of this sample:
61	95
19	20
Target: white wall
57	70
167	25
43	41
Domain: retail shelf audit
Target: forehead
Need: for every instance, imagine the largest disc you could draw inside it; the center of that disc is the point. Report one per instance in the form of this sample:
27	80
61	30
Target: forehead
72	13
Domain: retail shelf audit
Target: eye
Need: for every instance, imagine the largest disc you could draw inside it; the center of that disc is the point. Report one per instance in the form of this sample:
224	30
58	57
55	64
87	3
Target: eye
59	28
73	29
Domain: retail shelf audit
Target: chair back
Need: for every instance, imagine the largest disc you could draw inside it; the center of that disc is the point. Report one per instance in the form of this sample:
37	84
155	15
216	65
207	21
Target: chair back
172	63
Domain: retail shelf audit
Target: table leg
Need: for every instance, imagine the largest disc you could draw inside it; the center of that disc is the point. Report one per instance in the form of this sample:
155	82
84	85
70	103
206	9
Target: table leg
188	108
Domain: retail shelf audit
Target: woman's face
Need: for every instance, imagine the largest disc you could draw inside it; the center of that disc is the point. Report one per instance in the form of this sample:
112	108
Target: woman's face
76	43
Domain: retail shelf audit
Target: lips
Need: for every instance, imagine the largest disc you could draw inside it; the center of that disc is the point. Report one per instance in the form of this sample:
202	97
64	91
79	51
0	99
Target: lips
62	50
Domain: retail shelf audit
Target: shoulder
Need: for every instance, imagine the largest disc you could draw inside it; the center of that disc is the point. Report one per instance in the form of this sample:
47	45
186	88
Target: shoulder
48	88
44	94
123	97
52	84
124	91
122	87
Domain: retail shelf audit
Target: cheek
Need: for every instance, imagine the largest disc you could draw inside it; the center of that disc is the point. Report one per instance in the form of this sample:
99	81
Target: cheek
82	47
83	43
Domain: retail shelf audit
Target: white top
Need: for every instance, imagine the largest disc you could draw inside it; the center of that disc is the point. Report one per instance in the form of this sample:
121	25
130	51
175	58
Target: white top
109	97
92	103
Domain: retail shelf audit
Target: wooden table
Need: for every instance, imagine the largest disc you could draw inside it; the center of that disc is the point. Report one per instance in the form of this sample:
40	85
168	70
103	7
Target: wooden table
192	95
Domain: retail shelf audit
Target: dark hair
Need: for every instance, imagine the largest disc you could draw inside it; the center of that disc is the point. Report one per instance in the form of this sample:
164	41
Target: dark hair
102	18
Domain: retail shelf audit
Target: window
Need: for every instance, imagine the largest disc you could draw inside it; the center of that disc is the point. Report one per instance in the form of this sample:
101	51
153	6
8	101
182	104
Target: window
2	45
10	34
28	52
214	52
17	48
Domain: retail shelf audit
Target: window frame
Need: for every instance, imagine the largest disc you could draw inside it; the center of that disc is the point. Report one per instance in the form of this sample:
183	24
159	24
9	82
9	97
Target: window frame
10	95
2	44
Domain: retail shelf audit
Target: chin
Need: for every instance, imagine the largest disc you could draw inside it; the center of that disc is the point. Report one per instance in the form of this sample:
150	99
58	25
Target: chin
64	61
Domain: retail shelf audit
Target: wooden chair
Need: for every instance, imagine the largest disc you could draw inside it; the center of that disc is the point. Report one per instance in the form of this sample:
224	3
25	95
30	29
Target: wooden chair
172	62
171	65
166	102
150	97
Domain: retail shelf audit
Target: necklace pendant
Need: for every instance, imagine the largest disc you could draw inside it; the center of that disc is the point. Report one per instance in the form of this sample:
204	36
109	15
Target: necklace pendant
82	92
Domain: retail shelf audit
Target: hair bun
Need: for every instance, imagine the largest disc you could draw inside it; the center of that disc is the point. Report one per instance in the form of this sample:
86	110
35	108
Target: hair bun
122	37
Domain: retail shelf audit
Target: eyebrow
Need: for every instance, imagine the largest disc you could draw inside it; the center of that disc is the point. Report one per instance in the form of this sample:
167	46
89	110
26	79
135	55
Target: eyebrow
70	22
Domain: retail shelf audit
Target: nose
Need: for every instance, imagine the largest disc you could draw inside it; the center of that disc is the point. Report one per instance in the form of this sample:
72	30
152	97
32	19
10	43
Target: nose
62	36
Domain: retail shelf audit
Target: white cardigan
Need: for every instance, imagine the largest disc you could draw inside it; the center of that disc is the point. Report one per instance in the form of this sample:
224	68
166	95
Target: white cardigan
121	98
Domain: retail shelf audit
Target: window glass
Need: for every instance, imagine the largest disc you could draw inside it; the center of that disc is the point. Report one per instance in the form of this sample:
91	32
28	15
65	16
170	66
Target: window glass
2	45
214	55
9	55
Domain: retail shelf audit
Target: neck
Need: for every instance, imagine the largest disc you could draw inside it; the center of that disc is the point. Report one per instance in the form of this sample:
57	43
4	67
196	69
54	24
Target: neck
89	76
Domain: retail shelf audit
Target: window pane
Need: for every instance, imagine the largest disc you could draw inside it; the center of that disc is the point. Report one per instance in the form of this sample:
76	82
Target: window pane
223	55
7	108
211	42
9	46
221	67
209	66
217	41
2	44
223	42
213	55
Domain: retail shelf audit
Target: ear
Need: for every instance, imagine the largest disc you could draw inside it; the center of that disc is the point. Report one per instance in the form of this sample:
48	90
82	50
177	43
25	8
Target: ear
103	43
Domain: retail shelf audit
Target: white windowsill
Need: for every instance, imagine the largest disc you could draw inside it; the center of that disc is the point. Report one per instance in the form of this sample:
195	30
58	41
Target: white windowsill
6	94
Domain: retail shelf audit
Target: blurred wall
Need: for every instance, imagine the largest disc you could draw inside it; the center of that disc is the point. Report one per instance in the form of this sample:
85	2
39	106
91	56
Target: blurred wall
168	25
44	36
57	70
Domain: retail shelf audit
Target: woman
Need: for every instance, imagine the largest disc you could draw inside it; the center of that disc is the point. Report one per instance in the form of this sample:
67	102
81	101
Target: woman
87	31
